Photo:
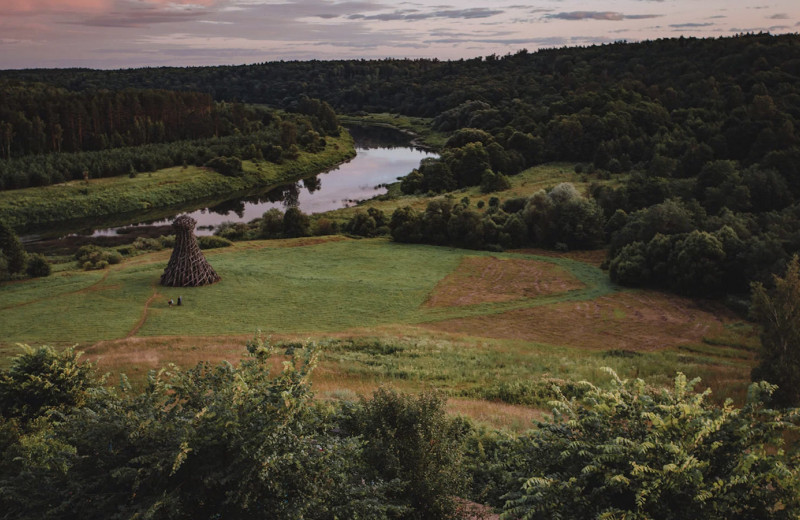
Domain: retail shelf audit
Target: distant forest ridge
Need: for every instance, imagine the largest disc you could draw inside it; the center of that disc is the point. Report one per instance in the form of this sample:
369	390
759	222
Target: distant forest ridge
424	87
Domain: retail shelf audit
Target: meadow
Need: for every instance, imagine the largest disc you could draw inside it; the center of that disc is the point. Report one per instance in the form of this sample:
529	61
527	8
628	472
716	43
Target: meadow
492	330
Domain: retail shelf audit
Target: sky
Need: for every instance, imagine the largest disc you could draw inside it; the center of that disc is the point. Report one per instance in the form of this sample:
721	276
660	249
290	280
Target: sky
140	33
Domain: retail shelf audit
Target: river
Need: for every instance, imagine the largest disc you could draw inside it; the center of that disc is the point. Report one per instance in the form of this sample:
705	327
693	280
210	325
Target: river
383	156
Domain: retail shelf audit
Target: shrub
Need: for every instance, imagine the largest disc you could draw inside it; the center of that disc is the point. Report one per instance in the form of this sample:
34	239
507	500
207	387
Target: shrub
229	166
42	379
325	226
219	441
148	244
11	249
213	242
38	266
778	313
411	443
295	223
361	224
630	452
491	182
405	225
630	267
92	257
271	224
370	224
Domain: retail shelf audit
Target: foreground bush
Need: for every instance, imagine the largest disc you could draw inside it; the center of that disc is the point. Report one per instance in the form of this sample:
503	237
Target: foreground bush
210	442
412	445
630	452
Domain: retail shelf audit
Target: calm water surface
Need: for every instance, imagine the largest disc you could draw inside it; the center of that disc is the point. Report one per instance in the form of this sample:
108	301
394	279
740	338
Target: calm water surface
378	162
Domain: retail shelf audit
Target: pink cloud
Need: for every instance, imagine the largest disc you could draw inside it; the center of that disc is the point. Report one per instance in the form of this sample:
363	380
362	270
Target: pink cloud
49	6
204	3
35	7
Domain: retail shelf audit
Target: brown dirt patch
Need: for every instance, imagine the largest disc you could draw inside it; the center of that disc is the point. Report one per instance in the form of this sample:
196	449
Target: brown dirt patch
627	320
593	257
489	279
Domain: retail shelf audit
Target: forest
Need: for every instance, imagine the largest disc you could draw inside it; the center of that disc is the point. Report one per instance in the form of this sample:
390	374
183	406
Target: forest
50	135
705	150
691	170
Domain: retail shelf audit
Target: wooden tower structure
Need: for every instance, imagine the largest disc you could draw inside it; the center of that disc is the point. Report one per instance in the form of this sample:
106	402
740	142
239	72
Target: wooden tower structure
187	266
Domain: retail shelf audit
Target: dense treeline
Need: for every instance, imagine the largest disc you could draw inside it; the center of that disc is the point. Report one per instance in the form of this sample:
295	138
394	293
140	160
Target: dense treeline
245	442
108	134
559	218
36	118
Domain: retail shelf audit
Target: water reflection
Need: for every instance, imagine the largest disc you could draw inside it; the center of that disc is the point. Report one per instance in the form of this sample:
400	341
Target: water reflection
382	157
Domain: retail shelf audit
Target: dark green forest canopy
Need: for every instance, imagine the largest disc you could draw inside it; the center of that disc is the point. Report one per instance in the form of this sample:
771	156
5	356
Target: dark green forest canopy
49	134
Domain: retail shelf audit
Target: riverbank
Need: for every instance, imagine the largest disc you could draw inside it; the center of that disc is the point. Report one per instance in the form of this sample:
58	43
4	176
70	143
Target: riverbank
418	129
32	208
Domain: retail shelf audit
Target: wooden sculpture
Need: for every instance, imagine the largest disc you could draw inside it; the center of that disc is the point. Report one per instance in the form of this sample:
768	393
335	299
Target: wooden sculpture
187	266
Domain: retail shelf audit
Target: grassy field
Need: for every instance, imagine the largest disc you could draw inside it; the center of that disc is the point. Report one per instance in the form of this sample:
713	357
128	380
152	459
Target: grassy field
164	188
524	184
490	329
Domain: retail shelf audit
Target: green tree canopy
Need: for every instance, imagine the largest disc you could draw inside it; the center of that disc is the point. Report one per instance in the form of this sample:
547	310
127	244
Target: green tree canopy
637	453
778	313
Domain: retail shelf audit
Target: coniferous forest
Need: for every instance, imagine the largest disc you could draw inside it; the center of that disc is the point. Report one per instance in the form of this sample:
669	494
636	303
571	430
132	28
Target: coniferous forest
690	152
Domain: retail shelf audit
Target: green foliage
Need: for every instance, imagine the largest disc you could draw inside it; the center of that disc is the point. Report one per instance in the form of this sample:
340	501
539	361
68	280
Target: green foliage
11	249
547	218
411	444
629	267
37	266
213	242
561	215
230	166
696	264
296	223
219	442
778	313
93	257
405	225
52	135
491	182
370	224
271	224
630	452
43	379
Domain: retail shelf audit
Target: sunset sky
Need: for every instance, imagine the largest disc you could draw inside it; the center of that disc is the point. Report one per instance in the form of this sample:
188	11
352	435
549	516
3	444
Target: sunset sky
136	33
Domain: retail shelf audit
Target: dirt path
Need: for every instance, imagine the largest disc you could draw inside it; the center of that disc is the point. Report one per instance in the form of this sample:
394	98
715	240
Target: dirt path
84	290
143	319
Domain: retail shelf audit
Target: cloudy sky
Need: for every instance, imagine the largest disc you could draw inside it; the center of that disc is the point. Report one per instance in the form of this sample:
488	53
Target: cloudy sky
136	33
